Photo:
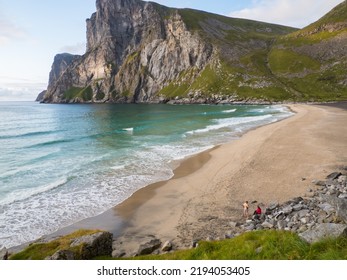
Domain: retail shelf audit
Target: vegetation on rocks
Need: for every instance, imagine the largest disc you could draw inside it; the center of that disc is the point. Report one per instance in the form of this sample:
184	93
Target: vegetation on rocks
40	251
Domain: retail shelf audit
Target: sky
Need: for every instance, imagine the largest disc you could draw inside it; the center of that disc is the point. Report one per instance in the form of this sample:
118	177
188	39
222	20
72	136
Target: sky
32	32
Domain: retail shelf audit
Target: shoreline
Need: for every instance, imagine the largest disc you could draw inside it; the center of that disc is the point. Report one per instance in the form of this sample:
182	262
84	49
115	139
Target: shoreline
187	213
202	204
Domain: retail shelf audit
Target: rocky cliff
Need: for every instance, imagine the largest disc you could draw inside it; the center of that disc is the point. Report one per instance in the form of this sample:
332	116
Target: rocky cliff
144	52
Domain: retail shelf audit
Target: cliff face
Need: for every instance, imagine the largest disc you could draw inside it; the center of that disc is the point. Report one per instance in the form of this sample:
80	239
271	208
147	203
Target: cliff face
144	52
133	49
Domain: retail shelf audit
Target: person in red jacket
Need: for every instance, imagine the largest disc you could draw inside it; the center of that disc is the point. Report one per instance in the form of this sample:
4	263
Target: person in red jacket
257	212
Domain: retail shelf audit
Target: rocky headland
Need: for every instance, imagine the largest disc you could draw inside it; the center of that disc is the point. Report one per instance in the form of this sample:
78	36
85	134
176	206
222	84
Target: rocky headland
142	52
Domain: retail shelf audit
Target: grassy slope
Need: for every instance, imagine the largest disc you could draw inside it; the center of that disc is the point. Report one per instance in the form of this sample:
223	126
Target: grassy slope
274	73
313	78
261	245
245	76
39	251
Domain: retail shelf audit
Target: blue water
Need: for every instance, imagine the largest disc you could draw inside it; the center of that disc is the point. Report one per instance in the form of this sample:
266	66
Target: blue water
62	163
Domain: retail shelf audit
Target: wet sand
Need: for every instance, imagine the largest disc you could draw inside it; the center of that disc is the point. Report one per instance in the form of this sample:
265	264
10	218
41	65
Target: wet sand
272	163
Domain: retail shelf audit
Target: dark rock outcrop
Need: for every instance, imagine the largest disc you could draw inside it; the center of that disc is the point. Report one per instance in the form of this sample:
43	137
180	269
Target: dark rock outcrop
98	244
149	247
41	96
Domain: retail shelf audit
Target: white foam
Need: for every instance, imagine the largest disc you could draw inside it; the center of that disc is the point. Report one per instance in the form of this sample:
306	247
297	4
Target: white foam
229	111
229	122
117	167
22	194
129	129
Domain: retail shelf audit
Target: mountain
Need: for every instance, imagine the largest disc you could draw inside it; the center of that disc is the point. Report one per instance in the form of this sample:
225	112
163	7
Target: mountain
143	52
313	61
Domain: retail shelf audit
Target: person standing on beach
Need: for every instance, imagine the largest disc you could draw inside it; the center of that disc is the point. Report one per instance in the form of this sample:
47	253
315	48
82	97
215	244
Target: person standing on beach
245	209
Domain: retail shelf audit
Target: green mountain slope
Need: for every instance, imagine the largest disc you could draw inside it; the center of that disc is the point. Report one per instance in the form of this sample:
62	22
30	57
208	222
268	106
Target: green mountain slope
239	70
312	62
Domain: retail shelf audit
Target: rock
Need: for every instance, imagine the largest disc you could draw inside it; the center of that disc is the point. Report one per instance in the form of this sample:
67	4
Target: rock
259	250
167	246
326	207
41	96
228	235
249	227
195	244
281	224
297	207
342	179
334	175
97	244
267	224
234	224
340	205
118	254
62	255
4	254
324	231
303	213
272	206
149	247
320	183
279	216
287	210
302	228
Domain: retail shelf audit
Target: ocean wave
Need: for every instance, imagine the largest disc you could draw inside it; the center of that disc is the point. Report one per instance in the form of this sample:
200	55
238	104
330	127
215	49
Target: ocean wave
29	134
229	122
49	143
23	194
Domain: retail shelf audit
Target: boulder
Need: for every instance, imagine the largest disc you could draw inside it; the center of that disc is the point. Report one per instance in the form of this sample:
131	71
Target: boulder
118	254
303	213
97	244
62	255
287	210
340	205
267	224
334	175
149	247
297	207
167	246
324	231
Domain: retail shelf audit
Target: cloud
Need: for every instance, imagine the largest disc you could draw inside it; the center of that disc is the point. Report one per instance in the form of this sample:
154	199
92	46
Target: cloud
12	89
78	48
296	13
9	31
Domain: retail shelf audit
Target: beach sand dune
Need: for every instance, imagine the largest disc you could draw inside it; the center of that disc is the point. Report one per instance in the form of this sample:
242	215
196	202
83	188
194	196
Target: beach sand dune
273	163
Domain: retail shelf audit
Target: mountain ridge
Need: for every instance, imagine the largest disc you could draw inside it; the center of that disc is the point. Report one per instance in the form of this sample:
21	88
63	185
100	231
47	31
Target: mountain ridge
143	52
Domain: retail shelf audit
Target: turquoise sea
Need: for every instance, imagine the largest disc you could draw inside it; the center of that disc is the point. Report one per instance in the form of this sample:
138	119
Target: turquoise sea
60	164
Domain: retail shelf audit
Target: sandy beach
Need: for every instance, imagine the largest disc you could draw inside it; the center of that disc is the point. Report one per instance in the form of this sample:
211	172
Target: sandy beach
270	164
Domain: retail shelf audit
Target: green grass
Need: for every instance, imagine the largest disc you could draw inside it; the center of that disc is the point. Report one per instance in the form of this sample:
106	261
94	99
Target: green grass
39	251
86	94
283	61
261	245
